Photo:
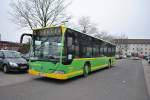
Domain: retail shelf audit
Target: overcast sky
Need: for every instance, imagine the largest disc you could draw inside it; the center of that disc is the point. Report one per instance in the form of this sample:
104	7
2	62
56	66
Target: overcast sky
131	17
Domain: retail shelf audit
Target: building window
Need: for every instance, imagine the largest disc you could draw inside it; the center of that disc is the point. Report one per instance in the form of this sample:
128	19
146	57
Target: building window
145	48
133	48
145	52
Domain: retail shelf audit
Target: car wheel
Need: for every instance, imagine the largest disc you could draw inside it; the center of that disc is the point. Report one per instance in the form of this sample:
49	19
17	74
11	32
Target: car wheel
5	69
25	71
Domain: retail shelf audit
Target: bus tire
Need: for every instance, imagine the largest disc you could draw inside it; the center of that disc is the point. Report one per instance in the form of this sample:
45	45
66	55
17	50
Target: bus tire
109	63
86	70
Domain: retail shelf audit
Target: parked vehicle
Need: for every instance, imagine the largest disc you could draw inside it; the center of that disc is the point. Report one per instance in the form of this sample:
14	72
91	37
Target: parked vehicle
148	60
123	56
135	58
141	56
12	61
145	57
63	53
26	56
148	57
117	56
128	56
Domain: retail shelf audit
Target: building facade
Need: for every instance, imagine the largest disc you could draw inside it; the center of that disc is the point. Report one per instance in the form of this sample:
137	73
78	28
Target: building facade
138	47
7	45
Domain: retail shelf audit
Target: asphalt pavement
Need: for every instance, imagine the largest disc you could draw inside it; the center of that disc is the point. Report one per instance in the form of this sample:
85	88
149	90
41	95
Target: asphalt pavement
124	81
14	78
146	67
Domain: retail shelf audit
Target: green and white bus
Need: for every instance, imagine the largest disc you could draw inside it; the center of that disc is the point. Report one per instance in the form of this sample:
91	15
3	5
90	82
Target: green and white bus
63	53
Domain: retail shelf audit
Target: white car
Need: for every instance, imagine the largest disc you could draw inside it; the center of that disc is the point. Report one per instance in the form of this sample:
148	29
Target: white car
124	56
117	56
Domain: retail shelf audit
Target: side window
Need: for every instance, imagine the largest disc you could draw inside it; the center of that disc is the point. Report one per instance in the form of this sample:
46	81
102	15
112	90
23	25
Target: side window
95	51
89	47
85	46
76	44
113	50
70	45
105	51
109	51
89	52
101	51
1	54
84	53
69	41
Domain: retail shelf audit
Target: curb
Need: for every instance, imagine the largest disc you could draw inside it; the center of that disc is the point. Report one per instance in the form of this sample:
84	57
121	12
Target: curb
146	67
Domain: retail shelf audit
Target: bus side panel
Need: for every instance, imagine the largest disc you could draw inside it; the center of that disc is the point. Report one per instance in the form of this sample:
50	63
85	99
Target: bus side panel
43	67
99	63
76	67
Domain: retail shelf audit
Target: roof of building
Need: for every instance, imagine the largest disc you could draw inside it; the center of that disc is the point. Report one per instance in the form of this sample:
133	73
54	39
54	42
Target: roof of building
132	41
10	43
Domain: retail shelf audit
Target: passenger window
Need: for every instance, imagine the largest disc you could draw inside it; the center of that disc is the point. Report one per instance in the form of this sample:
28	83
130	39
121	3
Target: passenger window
69	41
1	54
89	52
101	50
105	51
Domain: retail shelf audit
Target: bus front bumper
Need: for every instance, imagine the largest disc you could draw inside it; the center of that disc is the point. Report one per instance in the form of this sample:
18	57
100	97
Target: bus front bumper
51	75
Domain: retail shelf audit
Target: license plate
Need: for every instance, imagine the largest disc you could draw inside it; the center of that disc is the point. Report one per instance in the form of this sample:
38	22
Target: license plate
23	67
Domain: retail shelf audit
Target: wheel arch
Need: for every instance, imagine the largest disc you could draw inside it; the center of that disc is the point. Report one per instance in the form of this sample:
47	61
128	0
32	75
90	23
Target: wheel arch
88	63
4	65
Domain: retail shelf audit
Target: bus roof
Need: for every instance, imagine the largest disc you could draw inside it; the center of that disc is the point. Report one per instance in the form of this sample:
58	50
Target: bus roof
76	31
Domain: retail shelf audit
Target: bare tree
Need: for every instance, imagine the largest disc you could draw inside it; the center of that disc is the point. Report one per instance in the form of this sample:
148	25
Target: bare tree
105	35
38	13
87	26
121	44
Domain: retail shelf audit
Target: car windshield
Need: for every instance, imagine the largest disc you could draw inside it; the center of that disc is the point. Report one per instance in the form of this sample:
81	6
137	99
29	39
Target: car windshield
12	54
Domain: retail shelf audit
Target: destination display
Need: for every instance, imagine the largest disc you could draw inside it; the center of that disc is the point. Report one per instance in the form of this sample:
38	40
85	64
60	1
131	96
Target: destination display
48	31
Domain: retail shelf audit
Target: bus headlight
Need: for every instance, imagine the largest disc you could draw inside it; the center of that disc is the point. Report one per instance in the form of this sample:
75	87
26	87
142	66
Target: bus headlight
59	72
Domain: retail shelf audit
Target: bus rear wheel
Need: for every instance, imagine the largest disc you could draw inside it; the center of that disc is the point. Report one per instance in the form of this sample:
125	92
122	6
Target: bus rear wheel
109	63
86	70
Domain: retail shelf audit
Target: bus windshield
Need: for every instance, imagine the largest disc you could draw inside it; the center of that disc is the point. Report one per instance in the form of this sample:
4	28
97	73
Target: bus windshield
47	46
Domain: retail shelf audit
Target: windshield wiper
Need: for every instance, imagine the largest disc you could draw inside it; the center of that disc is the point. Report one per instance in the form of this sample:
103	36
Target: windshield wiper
41	44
